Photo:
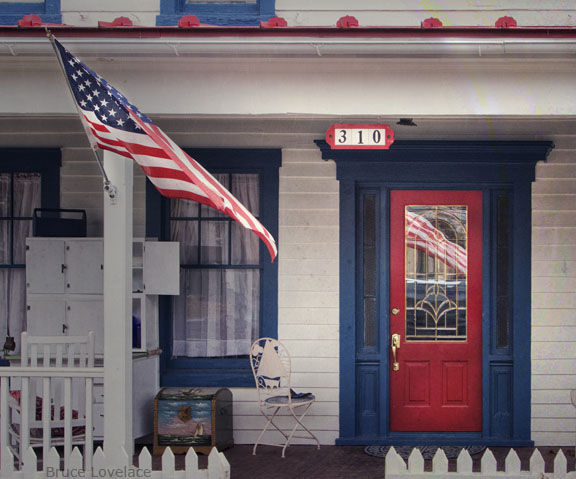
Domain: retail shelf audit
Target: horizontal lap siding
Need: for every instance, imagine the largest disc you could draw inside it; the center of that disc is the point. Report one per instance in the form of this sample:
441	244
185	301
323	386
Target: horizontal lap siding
412	12
308	299
81	188
554	300
88	14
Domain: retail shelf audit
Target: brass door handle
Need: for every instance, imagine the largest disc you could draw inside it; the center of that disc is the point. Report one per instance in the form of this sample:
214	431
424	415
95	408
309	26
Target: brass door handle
395	311
395	345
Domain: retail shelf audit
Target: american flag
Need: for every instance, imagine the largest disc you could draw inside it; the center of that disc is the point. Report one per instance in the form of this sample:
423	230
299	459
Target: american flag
422	235
113	123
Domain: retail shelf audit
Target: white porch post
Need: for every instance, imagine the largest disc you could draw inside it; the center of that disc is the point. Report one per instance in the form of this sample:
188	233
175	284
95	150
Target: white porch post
118	309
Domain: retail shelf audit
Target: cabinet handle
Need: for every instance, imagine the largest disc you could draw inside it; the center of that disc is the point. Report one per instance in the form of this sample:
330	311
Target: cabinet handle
64	268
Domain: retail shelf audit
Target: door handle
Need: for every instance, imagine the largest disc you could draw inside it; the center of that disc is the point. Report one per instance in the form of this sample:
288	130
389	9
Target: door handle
395	346
395	311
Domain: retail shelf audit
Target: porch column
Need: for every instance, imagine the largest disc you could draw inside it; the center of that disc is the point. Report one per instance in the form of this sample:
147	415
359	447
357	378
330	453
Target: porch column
118	309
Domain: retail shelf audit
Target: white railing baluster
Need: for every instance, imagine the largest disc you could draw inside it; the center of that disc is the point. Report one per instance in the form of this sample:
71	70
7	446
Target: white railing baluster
46	418
24	417
99	463
29	462
191	460
88	433
67	419
4	422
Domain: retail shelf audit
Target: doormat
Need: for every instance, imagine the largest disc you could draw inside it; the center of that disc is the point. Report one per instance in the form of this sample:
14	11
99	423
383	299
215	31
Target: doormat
428	452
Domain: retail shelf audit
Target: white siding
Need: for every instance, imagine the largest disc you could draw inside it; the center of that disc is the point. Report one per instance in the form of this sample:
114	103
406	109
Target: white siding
81	187
308	294
413	12
554	300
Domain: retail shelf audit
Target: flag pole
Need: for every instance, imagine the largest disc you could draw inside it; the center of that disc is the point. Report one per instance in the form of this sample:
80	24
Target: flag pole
108	187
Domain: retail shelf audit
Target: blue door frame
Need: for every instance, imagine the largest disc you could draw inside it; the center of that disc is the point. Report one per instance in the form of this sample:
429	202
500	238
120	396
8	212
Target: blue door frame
503	171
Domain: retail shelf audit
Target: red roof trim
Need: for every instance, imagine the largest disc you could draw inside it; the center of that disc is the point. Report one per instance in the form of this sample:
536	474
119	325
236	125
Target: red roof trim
256	31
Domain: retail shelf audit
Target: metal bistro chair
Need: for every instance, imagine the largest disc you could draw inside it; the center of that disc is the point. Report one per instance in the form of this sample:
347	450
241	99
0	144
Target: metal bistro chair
271	367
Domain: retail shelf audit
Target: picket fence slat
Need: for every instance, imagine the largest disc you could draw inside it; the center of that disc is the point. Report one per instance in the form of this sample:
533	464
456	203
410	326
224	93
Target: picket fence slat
396	467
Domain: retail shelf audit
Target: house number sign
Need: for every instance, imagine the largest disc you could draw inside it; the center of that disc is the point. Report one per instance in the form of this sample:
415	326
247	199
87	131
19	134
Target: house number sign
360	136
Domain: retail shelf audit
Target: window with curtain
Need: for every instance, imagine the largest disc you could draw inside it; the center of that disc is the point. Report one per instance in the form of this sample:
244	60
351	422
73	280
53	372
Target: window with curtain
228	285
217	313
29	178
20	193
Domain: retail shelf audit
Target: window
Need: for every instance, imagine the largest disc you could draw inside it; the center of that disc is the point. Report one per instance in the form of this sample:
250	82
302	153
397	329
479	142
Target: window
28	179
13	10
228	286
217	12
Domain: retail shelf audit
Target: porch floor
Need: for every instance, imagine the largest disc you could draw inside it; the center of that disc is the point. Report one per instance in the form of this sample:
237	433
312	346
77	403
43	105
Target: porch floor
342	462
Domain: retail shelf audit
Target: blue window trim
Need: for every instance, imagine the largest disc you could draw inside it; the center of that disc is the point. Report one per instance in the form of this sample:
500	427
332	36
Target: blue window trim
222	372
49	11
488	166
224	14
47	162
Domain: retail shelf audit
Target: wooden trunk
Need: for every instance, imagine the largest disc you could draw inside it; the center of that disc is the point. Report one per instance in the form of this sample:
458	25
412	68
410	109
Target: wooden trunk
193	417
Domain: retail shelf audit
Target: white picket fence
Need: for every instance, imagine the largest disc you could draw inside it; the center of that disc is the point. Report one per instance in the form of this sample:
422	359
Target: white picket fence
73	462
218	466
396	468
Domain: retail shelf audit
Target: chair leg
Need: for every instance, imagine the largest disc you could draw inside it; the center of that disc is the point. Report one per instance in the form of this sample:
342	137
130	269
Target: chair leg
299	422
269	421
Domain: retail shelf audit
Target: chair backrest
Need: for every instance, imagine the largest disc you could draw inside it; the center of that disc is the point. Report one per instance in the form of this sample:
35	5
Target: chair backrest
57	351
271	368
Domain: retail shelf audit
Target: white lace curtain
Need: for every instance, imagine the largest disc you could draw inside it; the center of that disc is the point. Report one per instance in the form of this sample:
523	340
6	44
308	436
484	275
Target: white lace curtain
19	195
218	311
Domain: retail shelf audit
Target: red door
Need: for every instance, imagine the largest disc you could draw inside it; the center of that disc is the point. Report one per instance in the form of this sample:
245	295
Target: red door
436	311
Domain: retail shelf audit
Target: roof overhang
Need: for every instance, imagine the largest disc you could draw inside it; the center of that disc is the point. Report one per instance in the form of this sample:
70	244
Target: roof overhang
295	41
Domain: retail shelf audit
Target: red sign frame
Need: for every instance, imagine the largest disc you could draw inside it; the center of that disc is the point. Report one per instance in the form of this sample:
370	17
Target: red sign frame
362	139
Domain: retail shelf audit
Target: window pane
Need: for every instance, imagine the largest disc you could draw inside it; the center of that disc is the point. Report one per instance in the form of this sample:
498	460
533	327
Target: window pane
214	242
183	208
245	188
22	230
26	193
207	211
186	233
4	242
245	245
217	313
5	194
436	273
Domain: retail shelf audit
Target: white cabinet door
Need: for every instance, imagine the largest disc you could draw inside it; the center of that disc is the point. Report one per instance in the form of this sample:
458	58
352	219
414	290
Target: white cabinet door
83	316
45	266
161	267
46	317
84	266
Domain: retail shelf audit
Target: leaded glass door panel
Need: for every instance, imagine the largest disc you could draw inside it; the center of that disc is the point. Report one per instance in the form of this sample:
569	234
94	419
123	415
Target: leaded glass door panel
435	317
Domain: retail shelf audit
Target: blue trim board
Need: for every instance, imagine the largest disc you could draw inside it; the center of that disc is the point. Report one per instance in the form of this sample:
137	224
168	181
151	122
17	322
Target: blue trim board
49	11
223	14
228	372
492	167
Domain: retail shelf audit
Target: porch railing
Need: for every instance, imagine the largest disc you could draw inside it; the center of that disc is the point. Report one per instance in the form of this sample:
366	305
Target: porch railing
36	386
397	468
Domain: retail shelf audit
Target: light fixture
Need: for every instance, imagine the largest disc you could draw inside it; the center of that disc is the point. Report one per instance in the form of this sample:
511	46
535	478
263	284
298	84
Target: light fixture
406	122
